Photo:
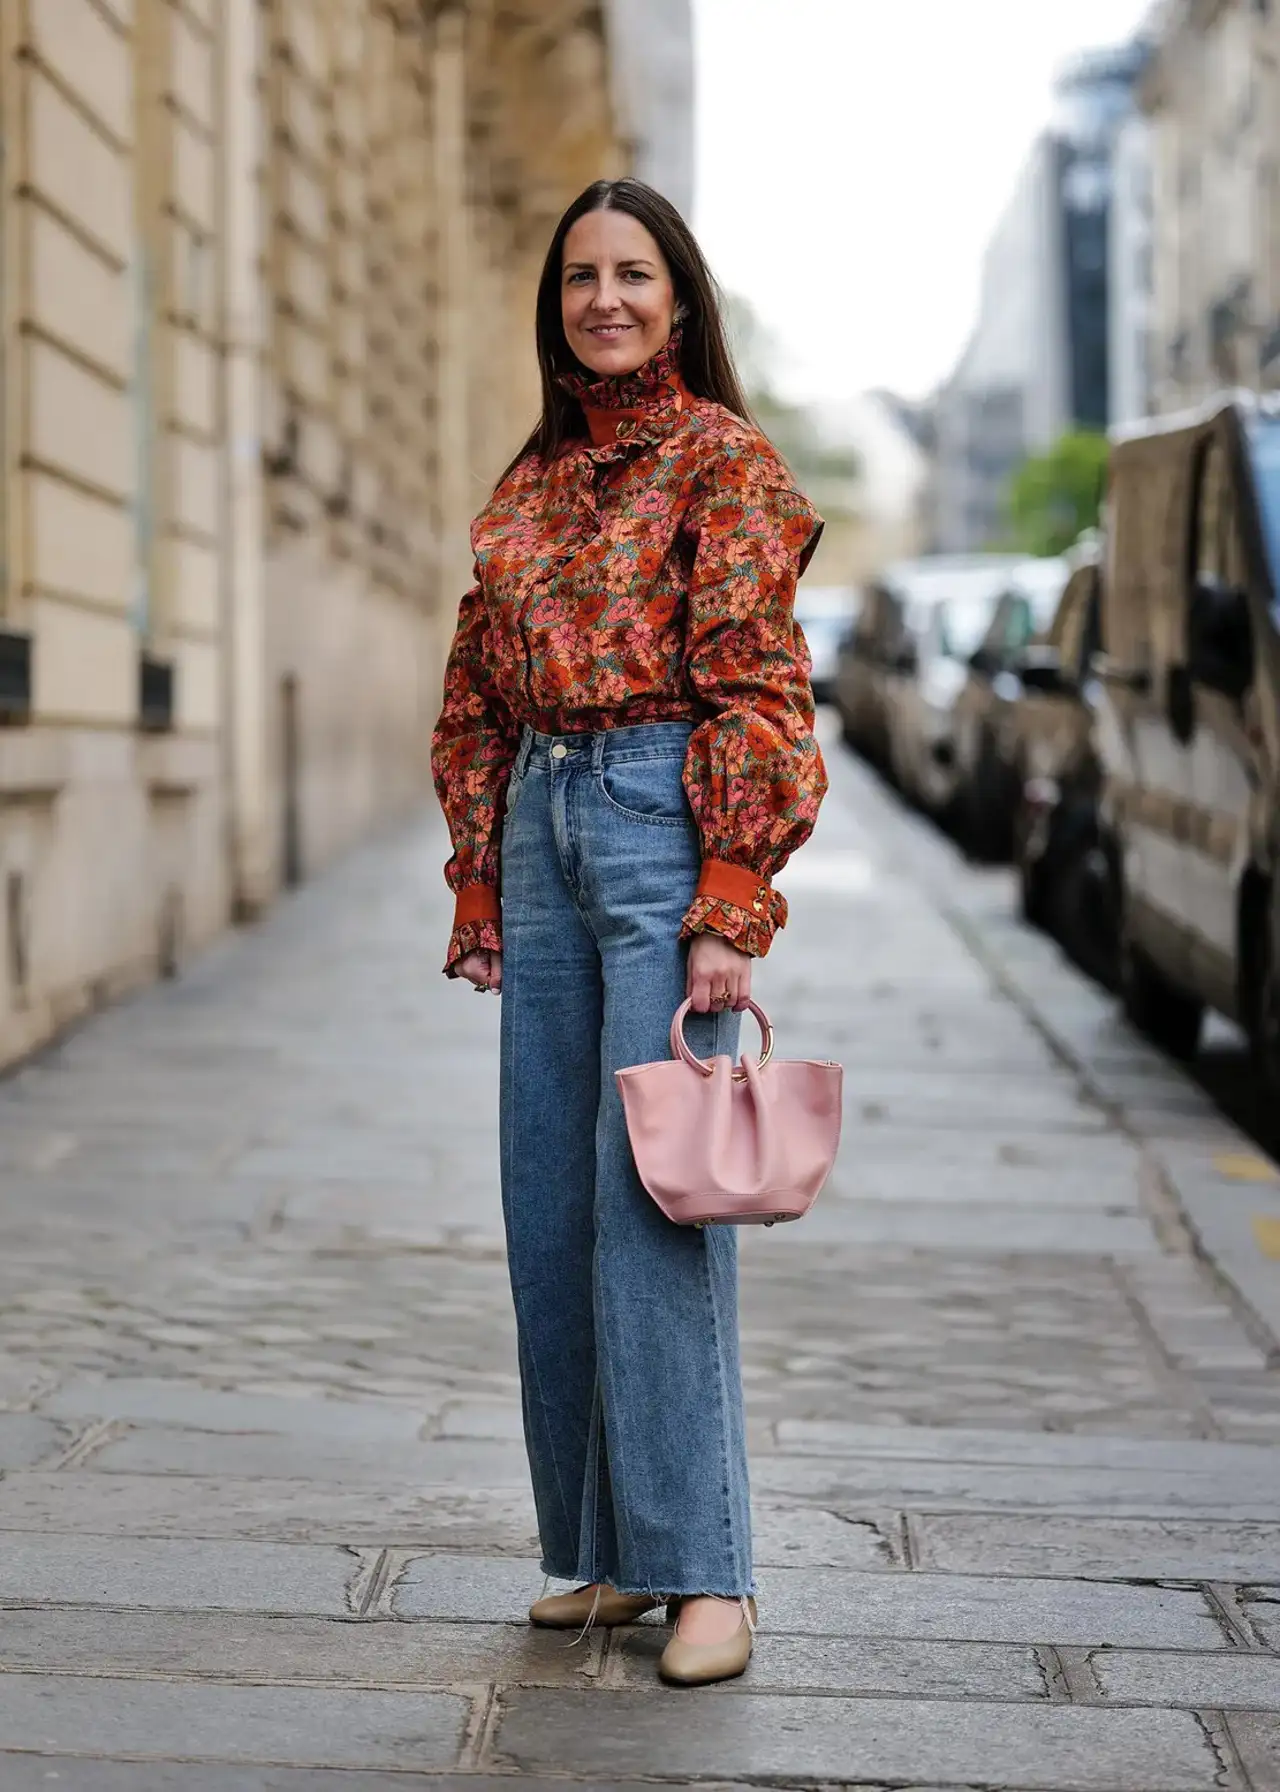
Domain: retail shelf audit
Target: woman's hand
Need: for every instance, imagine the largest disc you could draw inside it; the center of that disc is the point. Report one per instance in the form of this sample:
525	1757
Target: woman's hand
483	969
718	976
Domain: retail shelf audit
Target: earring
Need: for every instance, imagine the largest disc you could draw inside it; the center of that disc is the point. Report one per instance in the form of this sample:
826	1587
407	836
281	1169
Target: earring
680	313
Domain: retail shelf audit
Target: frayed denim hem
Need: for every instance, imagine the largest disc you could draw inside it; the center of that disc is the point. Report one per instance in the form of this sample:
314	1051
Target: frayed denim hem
569	1574
693	1592
580	1580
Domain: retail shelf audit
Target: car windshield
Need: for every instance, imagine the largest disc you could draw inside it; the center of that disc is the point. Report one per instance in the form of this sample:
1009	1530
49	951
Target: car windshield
825	603
1042	583
962	625
1264	453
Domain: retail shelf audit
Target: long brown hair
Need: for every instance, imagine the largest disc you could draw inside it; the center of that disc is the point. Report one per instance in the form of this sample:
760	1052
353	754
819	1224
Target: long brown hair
706	364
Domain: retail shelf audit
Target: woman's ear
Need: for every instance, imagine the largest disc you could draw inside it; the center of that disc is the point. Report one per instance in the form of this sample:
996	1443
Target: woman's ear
680	313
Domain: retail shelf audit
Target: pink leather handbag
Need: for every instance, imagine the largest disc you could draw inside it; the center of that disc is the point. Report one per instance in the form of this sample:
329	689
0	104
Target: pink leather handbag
717	1146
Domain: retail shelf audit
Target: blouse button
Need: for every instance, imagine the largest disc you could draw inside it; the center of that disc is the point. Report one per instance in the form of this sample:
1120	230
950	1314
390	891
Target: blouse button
758	906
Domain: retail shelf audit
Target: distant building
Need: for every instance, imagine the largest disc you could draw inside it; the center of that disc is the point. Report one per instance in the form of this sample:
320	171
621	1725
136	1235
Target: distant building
1212	96
1131	275
651	62
884	520
1037	363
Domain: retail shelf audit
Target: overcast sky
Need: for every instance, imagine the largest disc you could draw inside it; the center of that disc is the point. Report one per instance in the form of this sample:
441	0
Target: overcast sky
853	156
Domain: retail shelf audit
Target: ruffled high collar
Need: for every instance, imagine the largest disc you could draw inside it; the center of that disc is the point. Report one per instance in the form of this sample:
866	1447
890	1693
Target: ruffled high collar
632	407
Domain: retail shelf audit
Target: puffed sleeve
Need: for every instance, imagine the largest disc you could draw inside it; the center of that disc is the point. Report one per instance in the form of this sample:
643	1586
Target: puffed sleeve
473	748
754	773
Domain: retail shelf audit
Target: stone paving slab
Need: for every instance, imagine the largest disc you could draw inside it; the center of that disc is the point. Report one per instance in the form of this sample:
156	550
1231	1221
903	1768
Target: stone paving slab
491	1520
866	1666
1263	1611
1101	1549
1196	1327
1035	1747
1257	1738
276	1511
820	1602
971	1101
1238	1681
1251	1463
980	1228
64	1773
991	1487
26	1439
829	1602
163	1575
22	1384
893	1178
187	1404
246	1455
302	1726
262	1650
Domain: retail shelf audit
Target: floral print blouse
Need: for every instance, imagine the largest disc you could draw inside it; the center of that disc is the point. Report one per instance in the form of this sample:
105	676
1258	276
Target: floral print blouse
647	574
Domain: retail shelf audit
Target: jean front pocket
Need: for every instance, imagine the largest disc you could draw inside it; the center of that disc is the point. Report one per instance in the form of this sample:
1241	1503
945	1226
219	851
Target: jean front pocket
515	784
647	790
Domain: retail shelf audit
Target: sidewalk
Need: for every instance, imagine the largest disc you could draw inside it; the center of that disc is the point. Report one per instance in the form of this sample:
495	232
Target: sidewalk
1013	1394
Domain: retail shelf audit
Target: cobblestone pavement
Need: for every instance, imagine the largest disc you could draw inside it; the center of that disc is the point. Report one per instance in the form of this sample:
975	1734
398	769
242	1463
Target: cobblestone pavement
1014	1402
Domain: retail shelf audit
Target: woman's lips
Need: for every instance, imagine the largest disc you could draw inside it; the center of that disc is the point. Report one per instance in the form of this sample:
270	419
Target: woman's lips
609	330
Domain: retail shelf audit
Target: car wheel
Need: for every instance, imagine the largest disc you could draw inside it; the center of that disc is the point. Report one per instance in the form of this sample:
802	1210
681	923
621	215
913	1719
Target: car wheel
1168	1016
1080	909
989	829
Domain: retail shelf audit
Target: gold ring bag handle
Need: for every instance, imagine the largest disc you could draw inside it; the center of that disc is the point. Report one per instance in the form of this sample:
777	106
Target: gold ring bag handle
719	1144
680	1045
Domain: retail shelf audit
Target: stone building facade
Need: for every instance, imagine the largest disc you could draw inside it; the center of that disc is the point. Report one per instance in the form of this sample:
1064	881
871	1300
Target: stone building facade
267	276
1212	95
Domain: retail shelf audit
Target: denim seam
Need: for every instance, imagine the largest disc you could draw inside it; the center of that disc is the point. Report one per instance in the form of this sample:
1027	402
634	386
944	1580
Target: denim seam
570	861
621	1509
644	756
508	1131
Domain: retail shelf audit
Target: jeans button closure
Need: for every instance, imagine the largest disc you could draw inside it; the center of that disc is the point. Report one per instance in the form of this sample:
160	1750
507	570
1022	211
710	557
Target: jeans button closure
559	750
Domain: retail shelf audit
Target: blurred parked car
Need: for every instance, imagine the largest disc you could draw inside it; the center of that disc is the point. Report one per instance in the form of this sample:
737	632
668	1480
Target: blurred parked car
1063	869
826	613
883	647
989	775
920	698
1189	721
875	642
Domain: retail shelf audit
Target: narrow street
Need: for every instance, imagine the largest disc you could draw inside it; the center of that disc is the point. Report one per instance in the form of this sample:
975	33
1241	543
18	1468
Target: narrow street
1014	1386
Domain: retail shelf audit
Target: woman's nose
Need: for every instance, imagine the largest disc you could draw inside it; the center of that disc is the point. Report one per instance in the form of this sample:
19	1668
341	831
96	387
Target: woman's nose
608	295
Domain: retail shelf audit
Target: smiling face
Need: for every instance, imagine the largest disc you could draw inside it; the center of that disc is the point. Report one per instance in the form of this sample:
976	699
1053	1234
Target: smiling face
617	300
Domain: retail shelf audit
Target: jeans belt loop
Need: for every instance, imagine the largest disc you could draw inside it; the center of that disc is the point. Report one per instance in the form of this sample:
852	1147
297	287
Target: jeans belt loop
597	750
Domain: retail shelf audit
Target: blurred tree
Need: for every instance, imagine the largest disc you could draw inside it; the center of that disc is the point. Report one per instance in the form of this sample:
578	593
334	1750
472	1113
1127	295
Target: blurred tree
1054	497
827	472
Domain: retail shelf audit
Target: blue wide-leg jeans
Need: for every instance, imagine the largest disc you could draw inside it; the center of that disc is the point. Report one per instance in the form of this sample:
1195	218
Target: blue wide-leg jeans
627	1324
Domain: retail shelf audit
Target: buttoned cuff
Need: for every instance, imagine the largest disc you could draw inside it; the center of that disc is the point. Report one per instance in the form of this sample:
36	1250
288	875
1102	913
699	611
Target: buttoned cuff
738	905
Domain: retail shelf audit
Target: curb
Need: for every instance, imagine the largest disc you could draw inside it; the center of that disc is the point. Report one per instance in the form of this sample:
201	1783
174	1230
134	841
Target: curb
1218	1187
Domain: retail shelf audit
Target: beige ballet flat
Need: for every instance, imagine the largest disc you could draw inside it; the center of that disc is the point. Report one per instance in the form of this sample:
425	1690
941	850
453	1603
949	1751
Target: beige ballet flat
699	1664
589	1606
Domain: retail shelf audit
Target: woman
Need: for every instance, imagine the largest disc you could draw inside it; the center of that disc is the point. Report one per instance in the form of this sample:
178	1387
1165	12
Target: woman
625	756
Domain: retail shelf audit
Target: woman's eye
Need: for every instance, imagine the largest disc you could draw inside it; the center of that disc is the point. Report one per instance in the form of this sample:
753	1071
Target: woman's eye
636	274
